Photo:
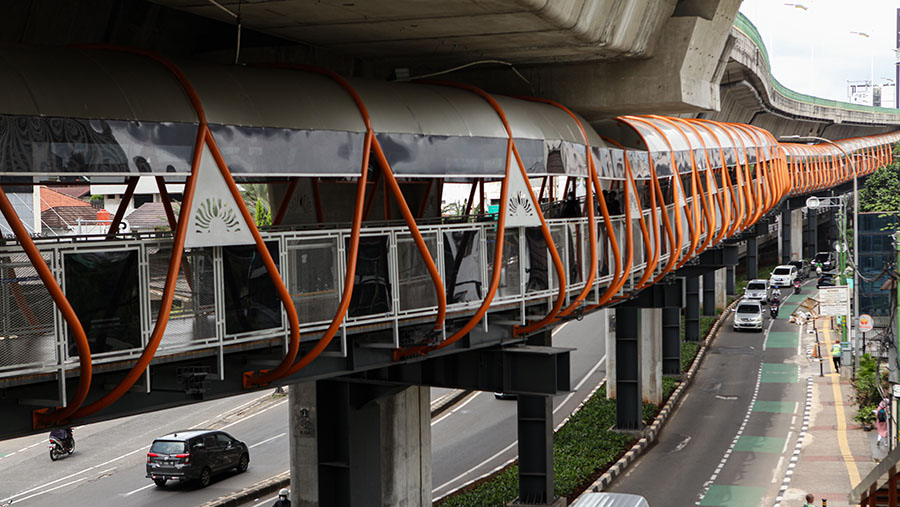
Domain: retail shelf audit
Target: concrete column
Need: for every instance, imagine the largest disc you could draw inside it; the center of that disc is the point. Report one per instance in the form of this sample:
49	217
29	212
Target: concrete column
721	296
651	355
709	293
628	376
692	308
535	430
796	234
812	229
671	340
752	258
785	235
373	445
729	281
302	436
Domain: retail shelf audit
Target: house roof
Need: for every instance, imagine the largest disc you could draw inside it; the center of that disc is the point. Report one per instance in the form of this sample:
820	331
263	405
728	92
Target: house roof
53	199
150	215
67	216
74	190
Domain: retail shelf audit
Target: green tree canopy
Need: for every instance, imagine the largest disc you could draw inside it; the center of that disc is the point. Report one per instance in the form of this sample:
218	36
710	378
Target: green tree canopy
882	190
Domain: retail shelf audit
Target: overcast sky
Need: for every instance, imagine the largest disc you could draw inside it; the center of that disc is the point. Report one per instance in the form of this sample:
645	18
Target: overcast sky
813	51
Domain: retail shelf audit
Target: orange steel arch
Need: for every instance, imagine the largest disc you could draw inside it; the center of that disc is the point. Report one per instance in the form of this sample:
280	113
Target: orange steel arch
721	193
589	202
737	196
710	183
204	139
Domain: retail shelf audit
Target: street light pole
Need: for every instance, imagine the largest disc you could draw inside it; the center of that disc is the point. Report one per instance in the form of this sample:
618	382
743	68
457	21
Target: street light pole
844	237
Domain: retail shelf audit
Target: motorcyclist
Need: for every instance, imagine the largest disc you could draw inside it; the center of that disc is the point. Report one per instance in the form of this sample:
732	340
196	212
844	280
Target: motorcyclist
776	296
282	501
64	435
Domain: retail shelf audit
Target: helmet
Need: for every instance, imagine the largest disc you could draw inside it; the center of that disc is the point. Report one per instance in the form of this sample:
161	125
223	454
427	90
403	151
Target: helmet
283	492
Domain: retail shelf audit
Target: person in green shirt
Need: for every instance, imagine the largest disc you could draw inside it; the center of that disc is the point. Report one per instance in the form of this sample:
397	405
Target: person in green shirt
836	356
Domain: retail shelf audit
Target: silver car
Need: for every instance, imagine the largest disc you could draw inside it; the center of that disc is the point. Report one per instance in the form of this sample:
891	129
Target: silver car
748	315
757	290
783	276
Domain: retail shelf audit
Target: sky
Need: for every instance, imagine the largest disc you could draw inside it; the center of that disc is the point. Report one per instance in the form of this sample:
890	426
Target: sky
812	51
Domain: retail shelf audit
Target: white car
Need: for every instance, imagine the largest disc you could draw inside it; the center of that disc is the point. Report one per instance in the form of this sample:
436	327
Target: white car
748	315
783	276
757	290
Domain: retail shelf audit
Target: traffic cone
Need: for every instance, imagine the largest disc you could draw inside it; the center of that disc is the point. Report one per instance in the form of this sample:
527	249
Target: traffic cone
815	352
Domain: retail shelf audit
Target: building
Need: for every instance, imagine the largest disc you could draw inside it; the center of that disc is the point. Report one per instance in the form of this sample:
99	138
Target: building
861	92
877	258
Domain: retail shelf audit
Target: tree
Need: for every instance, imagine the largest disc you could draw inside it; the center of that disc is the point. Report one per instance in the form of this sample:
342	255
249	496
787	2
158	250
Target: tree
256	196
262	216
881	192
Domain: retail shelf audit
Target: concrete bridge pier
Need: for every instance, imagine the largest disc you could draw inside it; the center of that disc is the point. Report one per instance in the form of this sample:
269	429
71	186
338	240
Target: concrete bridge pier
360	444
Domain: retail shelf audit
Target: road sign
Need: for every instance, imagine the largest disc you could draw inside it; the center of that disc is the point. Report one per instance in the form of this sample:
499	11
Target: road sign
833	300
866	323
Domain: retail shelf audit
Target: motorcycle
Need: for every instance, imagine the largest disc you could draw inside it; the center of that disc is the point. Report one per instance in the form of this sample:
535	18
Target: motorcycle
62	443
797	286
773	310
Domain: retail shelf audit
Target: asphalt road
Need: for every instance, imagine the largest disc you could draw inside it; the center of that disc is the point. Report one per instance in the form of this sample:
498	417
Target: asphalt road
479	433
108	466
731	438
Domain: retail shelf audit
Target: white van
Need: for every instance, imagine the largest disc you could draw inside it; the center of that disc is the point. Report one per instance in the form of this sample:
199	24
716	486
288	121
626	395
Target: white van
610	500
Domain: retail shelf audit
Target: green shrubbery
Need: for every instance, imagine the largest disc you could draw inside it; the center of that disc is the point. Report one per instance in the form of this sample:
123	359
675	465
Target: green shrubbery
867	394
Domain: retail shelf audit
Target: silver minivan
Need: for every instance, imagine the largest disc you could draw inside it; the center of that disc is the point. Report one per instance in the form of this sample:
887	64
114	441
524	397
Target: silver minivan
748	315
783	276
757	290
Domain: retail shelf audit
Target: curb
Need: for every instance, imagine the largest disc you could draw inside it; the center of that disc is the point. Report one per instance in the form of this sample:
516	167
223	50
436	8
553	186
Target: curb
283	480
650	434
250	493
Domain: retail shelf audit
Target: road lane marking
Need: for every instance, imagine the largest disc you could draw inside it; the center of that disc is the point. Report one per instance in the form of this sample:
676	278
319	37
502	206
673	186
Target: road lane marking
801	436
49	490
448	414
282	402
476	467
581	383
139	489
681	445
843	443
267	440
777	469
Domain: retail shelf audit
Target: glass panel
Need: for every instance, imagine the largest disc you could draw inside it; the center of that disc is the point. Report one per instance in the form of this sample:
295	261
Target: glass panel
26	315
538	263
559	240
462	266
103	290
509	274
193	314
576	254
251	300
372	286
314	278
416	287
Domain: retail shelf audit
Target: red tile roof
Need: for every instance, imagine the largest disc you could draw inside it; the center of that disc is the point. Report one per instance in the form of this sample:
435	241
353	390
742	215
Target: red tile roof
52	199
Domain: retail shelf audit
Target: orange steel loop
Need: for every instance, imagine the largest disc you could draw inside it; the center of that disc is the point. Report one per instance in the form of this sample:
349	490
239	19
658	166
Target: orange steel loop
371	144
723	208
123	205
629	227
737	195
589	203
611	237
204	137
285	201
706	198
371	198
41	417
495	272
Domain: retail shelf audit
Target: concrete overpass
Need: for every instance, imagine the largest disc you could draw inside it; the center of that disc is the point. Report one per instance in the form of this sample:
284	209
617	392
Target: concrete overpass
601	58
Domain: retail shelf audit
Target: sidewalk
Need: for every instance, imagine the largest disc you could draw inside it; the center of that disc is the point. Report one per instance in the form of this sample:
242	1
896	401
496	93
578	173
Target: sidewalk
835	452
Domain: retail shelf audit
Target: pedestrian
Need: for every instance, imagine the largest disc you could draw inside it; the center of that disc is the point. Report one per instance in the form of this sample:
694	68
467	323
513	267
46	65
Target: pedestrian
836	357
809	500
881	422
282	499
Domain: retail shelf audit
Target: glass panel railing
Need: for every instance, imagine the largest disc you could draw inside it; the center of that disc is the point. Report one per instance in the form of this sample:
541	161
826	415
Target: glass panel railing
192	319
315	278
28	315
463	266
510	278
251	301
372	290
416	289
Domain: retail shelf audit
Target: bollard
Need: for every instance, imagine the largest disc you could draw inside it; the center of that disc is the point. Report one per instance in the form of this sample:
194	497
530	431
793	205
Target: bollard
824	502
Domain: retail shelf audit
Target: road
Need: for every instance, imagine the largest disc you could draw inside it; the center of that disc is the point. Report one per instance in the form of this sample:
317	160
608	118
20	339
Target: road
108	466
732	436
479	433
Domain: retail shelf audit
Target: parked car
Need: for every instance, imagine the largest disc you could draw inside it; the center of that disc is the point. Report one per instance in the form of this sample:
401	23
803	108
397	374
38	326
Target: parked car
826	280
783	276
827	259
748	315
803	268
757	290
195	454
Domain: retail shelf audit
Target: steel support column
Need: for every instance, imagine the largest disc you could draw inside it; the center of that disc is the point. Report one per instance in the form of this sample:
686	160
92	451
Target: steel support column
629	403
729	281
709	293
812	230
535	427
692	308
671	340
752	258
786	234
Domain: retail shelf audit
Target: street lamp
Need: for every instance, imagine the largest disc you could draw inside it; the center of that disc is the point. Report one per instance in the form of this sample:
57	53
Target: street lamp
855	235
